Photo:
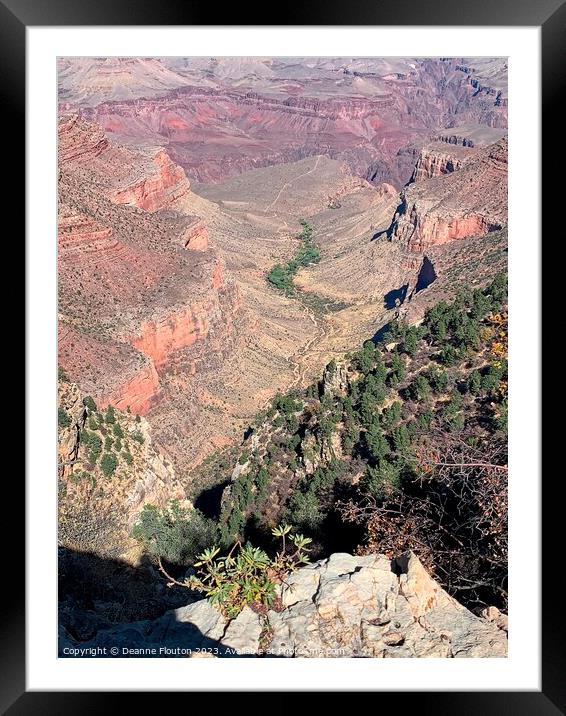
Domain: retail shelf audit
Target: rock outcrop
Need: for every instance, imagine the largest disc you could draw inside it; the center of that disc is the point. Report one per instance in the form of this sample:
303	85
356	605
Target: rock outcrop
436	159
469	202
343	606
195	237
162	189
96	510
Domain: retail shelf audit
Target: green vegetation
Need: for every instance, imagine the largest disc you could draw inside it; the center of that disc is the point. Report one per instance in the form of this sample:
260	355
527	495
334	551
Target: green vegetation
61	375
89	403
127	457
93	444
247	575
281	276
409	452
108	464
175	533
138	437
437	394
63	418
110	416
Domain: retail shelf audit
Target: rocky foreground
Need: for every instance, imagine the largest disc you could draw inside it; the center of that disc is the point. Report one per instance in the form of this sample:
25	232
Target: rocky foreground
343	606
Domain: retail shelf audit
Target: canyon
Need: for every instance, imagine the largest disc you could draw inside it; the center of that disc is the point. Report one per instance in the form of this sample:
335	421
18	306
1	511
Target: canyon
224	116
182	182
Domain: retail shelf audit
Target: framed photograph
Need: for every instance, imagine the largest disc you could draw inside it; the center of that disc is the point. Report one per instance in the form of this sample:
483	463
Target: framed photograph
283	295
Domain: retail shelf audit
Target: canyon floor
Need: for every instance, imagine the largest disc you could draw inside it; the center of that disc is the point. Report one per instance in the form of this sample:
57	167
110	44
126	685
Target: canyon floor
182	183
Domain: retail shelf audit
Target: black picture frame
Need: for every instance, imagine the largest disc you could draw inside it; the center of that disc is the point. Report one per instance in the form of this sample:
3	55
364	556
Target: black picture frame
550	15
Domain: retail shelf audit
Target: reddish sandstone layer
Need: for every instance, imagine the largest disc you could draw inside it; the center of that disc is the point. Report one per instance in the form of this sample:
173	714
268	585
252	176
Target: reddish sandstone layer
436	159
138	393
149	180
130	293
164	188
469	202
117	374
195	237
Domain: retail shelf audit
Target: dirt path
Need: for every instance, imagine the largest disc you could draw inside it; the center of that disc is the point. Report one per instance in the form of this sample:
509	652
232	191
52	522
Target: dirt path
298	359
288	184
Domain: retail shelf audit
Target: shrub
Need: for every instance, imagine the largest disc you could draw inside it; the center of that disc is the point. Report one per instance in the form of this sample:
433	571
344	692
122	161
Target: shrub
382	480
286	404
411	341
63	418
127	457
89	403
117	430
92	424
93	443
376	442
138	437
174	533
398	366
391	415
304	511
449	355
419	388
247	575
474	382
108	464
61	375
110	417
439	380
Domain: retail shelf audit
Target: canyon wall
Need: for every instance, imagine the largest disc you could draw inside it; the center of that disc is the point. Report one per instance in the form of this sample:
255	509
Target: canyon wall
139	283
220	118
469	201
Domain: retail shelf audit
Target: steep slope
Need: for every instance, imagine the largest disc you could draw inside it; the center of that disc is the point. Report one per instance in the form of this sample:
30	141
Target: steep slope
108	470
364	455
468	202
140	289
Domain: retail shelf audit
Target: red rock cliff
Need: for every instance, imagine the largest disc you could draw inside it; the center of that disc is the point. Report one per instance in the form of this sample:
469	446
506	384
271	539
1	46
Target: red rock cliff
437	158
159	190
469	202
